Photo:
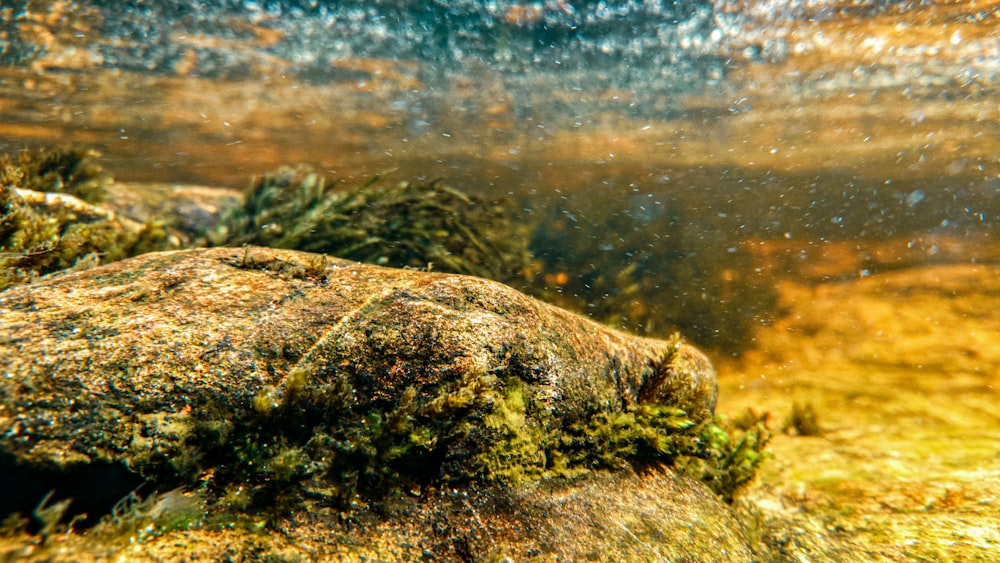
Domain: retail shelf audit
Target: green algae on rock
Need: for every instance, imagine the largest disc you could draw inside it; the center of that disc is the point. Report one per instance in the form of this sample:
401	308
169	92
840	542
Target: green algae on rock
50	219
447	412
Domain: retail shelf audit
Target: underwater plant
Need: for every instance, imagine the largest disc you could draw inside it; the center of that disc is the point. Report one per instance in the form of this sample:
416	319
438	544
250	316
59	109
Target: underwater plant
344	439
726	458
803	421
50	220
417	225
138	518
73	171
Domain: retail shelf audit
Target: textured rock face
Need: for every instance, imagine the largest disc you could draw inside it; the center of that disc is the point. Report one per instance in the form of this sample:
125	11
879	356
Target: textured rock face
159	362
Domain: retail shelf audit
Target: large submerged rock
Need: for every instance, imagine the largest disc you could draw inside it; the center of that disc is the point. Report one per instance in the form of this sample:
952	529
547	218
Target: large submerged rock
255	374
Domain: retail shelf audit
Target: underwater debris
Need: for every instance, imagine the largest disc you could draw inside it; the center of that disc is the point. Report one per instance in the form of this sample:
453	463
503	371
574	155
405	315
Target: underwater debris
415	225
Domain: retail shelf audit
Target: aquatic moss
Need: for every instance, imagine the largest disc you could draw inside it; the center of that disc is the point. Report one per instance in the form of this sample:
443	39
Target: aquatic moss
724	458
645	433
73	171
417	225
48	220
518	450
134	518
349	452
305	438
803	421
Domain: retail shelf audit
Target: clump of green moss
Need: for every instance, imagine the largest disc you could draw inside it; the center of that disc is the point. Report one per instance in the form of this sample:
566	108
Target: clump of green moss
645	433
321	436
418	225
726	458
317	435
48	220
73	171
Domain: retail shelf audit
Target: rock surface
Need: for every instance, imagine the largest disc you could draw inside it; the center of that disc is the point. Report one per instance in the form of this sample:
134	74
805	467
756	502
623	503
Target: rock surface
608	517
251	370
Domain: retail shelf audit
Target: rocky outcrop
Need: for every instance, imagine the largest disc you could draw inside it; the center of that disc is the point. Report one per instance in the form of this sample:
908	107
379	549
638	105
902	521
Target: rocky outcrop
261	377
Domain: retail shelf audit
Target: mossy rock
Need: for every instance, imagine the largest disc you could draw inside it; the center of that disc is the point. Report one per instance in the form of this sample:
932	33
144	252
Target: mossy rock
51	217
269	379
